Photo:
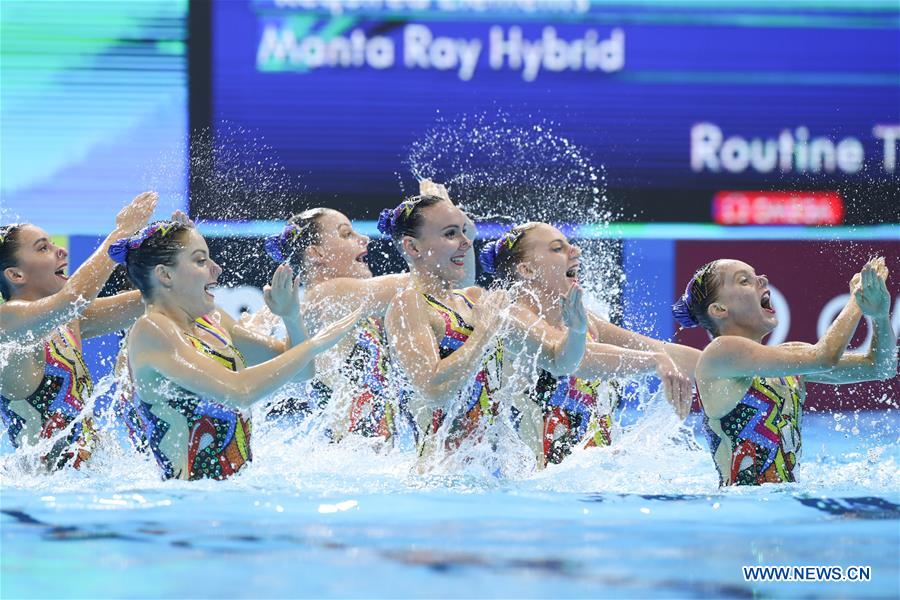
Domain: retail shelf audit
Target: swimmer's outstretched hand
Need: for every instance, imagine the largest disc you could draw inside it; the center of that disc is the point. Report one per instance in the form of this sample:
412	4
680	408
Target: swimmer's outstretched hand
136	214
428	187
677	386
331	335
282	295
871	293
574	313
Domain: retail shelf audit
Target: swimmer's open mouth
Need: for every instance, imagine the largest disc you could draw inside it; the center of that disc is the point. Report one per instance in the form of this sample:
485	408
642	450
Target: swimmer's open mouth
459	261
208	287
572	273
766	302
61	272
361	258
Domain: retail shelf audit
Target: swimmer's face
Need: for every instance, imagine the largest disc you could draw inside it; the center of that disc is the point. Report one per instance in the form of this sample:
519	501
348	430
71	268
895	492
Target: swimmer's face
341	251
743	305
442	242
550	261
41	265
194	277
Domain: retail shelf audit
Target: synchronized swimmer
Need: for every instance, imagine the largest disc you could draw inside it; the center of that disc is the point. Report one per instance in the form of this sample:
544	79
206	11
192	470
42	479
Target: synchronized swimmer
427	348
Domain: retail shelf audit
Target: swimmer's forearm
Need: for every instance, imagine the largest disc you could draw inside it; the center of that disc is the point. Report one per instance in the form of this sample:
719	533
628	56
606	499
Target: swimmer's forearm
259	381
462	364
883	351
832	345
297	334
568	353
684	357
605	360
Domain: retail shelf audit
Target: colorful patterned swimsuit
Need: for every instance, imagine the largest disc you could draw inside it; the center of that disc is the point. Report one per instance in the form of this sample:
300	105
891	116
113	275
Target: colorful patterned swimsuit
372	408
758	441
218	436
59	400
480	400
571	413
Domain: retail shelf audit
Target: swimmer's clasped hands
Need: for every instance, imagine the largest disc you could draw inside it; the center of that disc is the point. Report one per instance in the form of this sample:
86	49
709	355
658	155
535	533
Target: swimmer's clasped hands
871	291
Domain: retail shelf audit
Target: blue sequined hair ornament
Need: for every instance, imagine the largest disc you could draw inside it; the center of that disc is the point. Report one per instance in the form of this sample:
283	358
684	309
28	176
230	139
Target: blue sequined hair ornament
681	310
389	217
491	251
119	249
277	245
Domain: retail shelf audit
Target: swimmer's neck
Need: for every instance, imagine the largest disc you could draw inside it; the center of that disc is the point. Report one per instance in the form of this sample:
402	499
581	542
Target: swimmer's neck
178	315
430	284
315	276
25	295
738	331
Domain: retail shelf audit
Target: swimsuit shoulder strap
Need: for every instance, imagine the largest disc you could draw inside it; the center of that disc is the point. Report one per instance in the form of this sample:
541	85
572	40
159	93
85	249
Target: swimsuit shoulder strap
465	298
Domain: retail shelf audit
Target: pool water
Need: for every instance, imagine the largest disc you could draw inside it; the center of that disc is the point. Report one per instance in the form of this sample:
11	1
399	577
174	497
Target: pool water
643	518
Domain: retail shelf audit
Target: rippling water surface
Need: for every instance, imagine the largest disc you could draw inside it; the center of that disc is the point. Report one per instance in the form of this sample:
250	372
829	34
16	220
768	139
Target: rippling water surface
312	519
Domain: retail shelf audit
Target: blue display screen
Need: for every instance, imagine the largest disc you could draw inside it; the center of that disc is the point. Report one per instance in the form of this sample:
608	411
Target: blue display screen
663	95
93	110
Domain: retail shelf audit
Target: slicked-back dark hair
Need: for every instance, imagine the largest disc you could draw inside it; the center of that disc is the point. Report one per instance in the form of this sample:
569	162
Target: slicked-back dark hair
406	218
161	248
692	309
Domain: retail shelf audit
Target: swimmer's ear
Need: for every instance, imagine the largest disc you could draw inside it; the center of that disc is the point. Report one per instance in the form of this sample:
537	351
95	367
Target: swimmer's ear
717	311
314	254
525	271
14	275
410	246
163	276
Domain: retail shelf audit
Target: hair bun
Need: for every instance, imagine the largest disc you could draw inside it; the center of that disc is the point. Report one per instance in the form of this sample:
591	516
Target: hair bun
488	257
682	313
273	248
118	251
384	222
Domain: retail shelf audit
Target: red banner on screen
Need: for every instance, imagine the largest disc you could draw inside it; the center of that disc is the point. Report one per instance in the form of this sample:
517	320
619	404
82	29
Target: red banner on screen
778	208
809	282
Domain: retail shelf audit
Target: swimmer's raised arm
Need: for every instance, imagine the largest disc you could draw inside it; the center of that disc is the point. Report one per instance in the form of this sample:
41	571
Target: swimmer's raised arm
156	344
40	317
413	343
113	313
880	362
282	300
559	352
731	356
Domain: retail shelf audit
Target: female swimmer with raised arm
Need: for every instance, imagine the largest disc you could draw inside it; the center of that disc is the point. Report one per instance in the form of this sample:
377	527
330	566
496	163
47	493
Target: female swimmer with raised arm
443	338
190	381
45	315
752	394
559	412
